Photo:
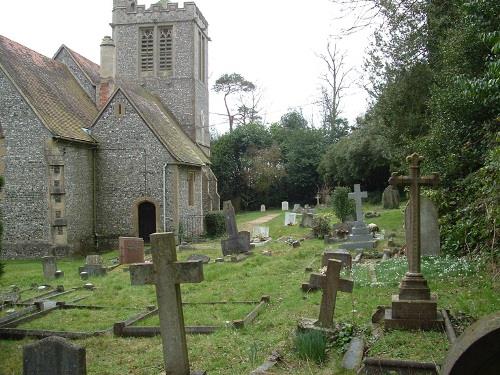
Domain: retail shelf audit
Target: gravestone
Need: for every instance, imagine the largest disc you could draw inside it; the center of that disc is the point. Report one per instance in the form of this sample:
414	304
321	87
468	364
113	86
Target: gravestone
307	220
238	242
166	273
49	267
290	218
260	232
296	208
341	254
262	208
429	227
199	257
390	197
54	356
318	197
131	250
414	307
284	206
93	266
477	350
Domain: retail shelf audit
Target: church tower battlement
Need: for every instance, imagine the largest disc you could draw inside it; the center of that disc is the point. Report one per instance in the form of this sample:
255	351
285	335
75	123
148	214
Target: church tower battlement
165	49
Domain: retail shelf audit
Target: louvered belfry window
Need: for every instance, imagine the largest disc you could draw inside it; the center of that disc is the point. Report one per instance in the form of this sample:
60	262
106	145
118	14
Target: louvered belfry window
147	50
165	49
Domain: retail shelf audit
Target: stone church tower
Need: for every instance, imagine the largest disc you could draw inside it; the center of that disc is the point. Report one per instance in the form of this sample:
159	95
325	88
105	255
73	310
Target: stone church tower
170	61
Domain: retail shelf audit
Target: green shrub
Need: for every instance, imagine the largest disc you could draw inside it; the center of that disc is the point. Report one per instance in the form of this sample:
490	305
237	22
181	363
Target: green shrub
311	346
215	223
342	205
321	226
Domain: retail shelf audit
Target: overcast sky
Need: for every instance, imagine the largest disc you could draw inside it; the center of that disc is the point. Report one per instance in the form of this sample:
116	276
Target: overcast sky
273	43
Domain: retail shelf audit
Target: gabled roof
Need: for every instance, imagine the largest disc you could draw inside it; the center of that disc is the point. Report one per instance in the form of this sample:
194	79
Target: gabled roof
89	68
50	89
163	124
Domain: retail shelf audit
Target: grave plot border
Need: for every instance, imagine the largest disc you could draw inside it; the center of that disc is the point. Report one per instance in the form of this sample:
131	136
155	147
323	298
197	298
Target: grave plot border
10	331
126	328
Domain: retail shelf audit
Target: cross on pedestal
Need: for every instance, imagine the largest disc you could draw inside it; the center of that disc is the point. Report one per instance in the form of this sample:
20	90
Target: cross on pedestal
357	196
331	283
414	285
167	274
318	197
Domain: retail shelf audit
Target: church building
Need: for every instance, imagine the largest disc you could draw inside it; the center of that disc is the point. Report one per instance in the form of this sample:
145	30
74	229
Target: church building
92	152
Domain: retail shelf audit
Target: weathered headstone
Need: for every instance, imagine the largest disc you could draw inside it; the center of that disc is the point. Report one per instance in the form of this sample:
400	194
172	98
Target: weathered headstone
414	307
341	254
307	220
131	250
290	218
429	227
54	356
477	350
284	206
238	242
296	208
390	197
262	208
166	273
93	266
49	267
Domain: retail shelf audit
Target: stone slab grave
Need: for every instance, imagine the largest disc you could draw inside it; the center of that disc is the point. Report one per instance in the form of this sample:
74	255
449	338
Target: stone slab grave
49	266
307	220
131	250
331	284
360	237
477	350
127	328
166	273
390	197
238	242
284	206
93	266
430	244
414	307
54	356
290	218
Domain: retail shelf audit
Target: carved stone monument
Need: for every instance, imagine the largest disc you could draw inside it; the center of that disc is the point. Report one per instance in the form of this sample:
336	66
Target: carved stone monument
414	307
238	242
166	273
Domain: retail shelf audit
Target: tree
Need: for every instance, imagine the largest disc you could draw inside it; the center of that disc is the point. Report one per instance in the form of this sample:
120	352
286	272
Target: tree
230	84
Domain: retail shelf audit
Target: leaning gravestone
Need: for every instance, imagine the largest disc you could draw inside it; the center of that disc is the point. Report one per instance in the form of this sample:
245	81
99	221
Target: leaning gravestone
93	266
307	220
477	350
49	267
54	356
429	227
390	197
131	250
238	242
284	206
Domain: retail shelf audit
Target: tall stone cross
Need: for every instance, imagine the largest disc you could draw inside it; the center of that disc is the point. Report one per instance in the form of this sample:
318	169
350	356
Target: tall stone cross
167	274
414	285
357	196
331	283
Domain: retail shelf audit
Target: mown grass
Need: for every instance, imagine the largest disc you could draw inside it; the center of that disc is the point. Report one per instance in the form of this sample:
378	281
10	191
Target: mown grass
461	286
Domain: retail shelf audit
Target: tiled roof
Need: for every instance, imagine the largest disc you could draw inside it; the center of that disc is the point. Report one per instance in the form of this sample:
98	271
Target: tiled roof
51	90
90	68
165	126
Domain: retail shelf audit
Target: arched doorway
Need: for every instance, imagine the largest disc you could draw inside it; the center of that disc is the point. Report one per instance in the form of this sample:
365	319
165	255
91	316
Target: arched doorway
147	220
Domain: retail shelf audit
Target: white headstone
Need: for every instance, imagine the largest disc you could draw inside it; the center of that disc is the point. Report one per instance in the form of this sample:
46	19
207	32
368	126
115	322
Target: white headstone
262	208
357	196
290	218
284	206
261	232
430	244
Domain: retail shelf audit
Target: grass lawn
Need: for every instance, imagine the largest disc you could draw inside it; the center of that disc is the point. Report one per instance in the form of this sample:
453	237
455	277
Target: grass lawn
462	286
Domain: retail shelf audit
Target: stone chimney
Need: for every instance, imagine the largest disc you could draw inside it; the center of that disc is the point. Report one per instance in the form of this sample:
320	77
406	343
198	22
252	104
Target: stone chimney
107	71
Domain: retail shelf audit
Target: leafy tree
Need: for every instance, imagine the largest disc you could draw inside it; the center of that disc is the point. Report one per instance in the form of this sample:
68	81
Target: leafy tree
342	205
230	84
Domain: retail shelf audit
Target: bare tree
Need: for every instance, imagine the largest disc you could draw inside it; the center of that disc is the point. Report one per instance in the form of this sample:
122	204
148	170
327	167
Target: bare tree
248	111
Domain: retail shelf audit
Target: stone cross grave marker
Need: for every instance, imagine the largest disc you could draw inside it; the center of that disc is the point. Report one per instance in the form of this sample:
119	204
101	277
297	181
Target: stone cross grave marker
166	273
357	196
414	308
284	206
331	283
238	242
429	227
49	267
318	197
54	356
